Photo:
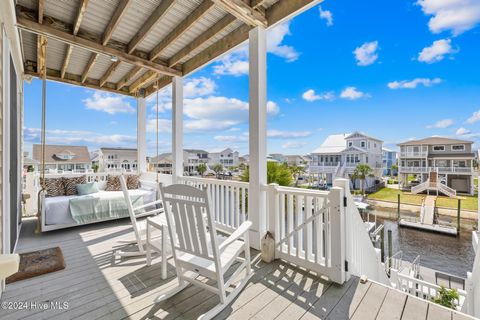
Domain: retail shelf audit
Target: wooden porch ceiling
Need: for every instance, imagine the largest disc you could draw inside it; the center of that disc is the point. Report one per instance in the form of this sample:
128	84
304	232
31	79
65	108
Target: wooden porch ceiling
126	46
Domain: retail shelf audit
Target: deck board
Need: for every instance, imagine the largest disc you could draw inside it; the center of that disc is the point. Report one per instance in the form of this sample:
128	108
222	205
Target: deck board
99	286
392	307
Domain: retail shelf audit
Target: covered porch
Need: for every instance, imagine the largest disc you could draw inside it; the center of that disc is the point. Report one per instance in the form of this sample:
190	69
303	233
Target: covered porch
96	285
136	48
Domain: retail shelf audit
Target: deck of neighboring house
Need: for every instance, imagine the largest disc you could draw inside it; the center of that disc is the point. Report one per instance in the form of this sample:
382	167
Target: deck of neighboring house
98	286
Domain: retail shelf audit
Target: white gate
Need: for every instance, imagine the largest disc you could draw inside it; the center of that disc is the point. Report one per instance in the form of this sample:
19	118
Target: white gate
309	228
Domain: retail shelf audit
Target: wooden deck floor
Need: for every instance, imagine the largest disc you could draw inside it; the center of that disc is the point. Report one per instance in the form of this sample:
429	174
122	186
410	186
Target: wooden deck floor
98	286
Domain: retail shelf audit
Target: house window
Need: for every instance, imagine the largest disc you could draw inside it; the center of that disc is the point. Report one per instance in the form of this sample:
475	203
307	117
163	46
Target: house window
363	144
350	143
438	148
458	147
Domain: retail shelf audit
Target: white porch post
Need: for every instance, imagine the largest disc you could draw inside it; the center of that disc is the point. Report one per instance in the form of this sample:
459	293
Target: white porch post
177	127
141	135
258	134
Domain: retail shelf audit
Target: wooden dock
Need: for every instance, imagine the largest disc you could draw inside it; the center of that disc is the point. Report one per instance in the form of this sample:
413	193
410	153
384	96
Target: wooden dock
98	286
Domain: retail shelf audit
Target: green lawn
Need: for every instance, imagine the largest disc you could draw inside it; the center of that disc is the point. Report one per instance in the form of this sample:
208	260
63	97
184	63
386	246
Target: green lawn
389	194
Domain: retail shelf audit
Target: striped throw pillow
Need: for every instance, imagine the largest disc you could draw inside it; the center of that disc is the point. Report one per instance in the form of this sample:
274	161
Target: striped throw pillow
54	187
71	184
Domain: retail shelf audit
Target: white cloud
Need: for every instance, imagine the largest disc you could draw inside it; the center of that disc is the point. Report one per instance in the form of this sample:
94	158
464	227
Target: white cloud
231	64
326	15
69	137
310	96
236	62
441	124
475	117
109	103
228	138
437	51
293	144
462	131
201	86
287	134
456	16
275	38
351	93
412	84
366	54
164	125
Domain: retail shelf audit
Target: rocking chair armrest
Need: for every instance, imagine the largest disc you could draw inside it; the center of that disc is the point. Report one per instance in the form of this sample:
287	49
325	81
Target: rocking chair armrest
154	203
241	230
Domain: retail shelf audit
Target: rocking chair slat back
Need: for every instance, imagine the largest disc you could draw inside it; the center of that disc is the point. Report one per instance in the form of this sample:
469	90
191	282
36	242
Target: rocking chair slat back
188	210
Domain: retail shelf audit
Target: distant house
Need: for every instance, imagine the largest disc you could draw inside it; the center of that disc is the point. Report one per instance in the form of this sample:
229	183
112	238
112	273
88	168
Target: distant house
117	159
278	157
296	159
437	159
226	157
389	158
63	158
163	163
339	155
191	159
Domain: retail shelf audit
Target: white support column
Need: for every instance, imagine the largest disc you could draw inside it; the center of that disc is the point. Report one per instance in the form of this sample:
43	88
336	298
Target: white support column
177	127
258	134
141	135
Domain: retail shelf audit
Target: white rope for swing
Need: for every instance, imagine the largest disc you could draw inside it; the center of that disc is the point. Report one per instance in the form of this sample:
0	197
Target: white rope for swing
158	155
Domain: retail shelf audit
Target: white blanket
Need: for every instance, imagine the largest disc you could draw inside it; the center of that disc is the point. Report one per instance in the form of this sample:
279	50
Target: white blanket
57	209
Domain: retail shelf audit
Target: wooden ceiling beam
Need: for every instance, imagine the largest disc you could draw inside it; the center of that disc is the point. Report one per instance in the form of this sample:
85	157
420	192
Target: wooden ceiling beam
143	80
42	55
69	78
53	29
201	39
130	75
230	41
157	14
109	72
285	8
79	17
117	15
76	27
68	54
275	14
243	12
88	67
255	4
162	83
181	28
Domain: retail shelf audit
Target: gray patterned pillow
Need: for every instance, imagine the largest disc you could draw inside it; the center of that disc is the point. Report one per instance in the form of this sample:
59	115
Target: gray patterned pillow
71	184
133	181
113	183
54	187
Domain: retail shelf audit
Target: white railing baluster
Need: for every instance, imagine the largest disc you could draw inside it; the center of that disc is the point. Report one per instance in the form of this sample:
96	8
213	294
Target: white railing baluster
299	220
290	221
308	232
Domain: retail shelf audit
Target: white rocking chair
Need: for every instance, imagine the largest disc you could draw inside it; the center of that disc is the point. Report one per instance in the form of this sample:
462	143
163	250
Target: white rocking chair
197	251
140	227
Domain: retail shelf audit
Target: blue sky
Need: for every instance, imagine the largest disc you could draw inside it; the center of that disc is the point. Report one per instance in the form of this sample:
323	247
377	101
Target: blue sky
394	69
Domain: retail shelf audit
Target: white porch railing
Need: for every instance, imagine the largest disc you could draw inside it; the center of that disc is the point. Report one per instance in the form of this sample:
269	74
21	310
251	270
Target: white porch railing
362	257
228	200
435	186
323	232
422	289
308	229
412	154
329	167
464	170
473	287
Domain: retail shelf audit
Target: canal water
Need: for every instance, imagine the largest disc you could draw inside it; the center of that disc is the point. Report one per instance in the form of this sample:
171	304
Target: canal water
453	255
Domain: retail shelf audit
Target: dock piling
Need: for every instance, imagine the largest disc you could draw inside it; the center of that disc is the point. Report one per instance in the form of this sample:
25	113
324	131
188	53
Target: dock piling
398	207
382	245
390	249
458	216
